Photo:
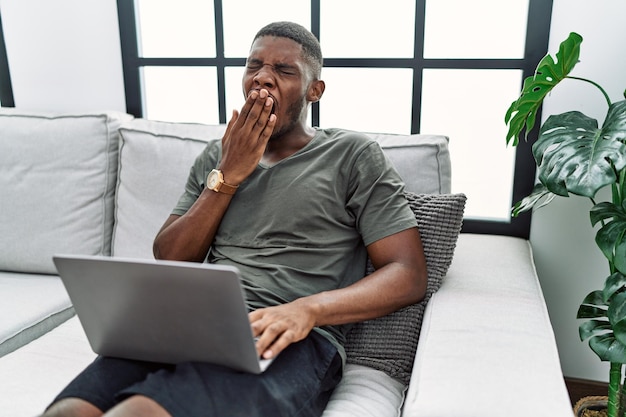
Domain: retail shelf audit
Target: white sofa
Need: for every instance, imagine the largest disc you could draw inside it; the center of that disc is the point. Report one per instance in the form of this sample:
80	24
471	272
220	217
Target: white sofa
103	183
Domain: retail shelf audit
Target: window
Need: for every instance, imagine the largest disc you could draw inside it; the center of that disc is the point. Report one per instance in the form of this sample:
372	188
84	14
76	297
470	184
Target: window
6	92
428	66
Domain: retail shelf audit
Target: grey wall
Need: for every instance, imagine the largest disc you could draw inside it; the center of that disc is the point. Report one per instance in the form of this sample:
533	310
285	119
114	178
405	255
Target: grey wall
568	262
64	54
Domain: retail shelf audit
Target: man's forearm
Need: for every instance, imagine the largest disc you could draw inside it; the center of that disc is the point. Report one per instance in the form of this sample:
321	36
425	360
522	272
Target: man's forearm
399	280
189	237
381	293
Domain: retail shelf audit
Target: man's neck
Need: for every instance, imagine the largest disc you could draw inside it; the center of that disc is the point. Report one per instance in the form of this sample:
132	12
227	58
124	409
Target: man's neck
285	145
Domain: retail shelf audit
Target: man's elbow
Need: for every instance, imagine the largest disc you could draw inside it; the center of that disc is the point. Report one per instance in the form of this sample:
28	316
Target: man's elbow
418	282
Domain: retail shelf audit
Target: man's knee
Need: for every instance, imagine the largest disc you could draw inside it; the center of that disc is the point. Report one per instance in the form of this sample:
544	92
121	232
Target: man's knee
138	405
72	407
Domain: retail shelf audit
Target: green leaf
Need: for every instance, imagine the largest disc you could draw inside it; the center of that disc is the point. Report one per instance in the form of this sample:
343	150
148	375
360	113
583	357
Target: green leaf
593	306
614	283
592	328
594	298
611	239
539	197
619	260
605	210
617	316
601	333
608	348
590	312
523	112
617	309
574	156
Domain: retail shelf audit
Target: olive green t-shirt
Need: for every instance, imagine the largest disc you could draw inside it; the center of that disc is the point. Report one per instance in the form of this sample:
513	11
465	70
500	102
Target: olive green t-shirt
301	226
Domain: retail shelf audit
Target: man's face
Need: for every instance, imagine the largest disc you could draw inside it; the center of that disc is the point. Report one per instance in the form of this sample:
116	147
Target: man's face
276	64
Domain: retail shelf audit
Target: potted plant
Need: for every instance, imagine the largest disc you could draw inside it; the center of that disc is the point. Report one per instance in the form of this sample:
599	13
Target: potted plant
575	156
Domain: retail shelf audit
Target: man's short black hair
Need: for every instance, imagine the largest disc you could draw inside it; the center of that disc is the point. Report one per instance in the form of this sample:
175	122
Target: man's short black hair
311	50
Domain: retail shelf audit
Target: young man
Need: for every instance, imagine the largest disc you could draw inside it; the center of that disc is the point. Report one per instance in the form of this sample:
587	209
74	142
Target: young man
297	210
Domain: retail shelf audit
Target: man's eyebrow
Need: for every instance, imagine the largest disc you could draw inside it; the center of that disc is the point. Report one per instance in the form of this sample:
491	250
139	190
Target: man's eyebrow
285	65
279	65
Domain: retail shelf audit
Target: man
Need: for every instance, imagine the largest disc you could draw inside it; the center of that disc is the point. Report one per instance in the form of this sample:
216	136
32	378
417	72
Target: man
298	210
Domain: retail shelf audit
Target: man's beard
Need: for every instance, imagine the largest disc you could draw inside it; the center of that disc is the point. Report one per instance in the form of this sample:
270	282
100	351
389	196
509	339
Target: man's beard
293	114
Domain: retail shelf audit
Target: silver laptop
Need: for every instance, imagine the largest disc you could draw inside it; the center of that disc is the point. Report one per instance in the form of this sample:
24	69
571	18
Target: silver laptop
161	311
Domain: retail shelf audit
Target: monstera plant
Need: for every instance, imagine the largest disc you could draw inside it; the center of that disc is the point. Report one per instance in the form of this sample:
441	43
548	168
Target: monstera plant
575	156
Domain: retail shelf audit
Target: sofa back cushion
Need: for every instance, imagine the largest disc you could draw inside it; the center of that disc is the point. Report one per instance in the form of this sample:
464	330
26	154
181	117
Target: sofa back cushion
155	158
389	343
57	178
423	161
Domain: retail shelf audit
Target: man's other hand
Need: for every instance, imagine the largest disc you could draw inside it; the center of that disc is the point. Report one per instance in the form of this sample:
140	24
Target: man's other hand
278	327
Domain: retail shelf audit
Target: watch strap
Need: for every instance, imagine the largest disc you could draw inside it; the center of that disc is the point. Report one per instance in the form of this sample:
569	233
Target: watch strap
222	187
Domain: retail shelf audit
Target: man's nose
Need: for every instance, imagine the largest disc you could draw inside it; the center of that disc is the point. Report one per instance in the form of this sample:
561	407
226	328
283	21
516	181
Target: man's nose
265	77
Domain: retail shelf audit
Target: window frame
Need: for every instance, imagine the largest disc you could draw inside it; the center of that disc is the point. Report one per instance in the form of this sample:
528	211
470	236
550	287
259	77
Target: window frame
6	89
536	46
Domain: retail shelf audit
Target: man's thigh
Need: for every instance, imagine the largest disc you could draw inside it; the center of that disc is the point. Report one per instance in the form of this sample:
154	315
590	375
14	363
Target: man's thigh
298	383
100	383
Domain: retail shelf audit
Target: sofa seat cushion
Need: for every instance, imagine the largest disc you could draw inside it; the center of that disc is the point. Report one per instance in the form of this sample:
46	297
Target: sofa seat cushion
487	346
31	377
366	392
57	176
30	305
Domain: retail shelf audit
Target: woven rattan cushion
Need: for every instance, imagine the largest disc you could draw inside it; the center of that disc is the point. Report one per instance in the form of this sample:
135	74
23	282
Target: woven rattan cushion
389	343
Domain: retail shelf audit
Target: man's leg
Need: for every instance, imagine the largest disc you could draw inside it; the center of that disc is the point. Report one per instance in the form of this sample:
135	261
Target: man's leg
138	405
94	391
298	383
72	407
133	406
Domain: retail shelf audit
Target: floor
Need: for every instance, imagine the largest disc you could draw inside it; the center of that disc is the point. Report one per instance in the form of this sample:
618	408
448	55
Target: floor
579	388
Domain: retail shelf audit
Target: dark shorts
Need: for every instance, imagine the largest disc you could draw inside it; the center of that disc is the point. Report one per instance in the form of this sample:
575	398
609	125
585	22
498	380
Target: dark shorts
298	383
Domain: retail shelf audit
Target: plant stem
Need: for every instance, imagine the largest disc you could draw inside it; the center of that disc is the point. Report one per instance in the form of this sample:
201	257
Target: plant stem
615	378
606	96
622	401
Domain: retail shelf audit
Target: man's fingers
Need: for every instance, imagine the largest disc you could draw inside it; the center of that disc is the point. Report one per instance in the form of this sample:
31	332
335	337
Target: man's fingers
256	110
285	339
231	123
275	332
274	339
247	106
268	129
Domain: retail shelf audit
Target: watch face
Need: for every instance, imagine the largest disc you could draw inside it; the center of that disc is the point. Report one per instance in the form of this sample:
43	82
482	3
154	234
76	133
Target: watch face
212	180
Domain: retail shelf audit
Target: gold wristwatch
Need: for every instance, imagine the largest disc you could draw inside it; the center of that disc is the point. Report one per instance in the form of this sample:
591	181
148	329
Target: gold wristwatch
215	182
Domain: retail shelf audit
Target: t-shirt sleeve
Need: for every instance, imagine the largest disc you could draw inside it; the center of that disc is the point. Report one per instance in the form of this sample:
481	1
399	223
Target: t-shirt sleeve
376	196
203	164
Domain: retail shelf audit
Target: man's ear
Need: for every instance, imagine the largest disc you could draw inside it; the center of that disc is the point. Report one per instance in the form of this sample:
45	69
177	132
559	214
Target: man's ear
316	90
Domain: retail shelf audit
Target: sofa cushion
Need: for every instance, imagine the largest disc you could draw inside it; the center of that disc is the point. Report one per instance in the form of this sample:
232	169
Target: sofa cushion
57	176
31	306
389	343
365	392
61	354
423	161
143	203
31	377
155	158
487	345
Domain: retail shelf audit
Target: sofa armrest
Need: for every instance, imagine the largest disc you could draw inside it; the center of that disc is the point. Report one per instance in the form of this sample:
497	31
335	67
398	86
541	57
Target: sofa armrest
487	347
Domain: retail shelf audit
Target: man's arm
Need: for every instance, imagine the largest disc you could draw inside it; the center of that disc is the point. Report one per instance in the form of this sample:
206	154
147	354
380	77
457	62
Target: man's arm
399	280
189	237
